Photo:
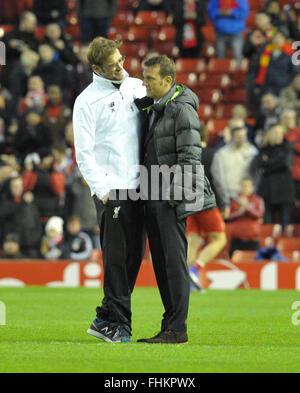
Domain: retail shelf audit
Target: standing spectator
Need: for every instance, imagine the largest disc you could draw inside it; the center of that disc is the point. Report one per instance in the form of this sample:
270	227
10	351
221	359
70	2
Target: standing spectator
52	70
19	39
46	184
292	135
77	244
153	5
19	214
274	69
61	42
276	186
35	98
83	71
229	19
50	11
268	115
11	10
246	213
56	114
290	97
52	246
188	17
21	72
236	157
11	247
286	21
254	41
94	18
32	135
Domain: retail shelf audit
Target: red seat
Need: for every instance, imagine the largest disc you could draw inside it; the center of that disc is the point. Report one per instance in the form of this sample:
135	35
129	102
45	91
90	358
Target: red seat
208	50
189	78
123	18
222	66
215	126
224	111
288	244
292	230
126	4
218	81
150	18
236	96
135	49
190	65
166	33
209	96
205	111
238	79
117	32
138	33
165	48
209	33
257	5
134	66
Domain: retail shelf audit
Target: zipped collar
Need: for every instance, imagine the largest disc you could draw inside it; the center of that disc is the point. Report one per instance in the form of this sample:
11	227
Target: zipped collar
170	96
109	83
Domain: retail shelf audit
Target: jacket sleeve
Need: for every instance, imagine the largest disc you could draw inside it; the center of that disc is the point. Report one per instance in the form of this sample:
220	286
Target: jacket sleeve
84	123
218	178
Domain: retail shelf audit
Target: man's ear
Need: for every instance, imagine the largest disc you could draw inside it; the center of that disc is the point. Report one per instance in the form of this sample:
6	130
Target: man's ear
169	80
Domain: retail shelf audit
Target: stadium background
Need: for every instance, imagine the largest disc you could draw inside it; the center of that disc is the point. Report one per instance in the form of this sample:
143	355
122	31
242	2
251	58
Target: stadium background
219	84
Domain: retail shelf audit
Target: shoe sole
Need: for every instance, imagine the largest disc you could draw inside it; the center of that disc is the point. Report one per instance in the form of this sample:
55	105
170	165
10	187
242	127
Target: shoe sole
93	333
153	342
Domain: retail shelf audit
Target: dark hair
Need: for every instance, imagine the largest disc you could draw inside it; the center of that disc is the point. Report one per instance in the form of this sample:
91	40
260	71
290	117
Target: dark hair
167	66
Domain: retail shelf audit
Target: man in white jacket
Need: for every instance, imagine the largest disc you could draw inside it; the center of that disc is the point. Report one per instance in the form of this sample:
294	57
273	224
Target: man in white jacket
107	143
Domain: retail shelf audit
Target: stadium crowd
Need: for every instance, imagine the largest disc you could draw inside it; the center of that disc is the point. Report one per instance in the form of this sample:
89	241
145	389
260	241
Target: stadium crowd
46	210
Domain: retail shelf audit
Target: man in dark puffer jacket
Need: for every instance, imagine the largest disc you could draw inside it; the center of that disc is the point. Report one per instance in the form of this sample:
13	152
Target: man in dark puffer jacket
171	137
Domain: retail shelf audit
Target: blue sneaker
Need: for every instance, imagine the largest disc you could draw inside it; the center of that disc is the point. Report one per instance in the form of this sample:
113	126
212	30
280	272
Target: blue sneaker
194	278
109	332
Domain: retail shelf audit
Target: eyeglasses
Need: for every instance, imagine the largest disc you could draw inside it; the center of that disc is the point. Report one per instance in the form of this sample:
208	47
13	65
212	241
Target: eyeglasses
115	65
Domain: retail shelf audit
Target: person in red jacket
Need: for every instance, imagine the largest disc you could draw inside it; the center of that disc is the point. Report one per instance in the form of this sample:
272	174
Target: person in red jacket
292	134
246	212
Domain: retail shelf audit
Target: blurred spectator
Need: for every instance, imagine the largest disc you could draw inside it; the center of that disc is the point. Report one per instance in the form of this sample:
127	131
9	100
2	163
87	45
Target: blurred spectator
11	247
95	17
236	157
32	135
11	10
254	41
268	115
83	71
6	172
229	19
52	70
77	244
50	11
6	111
188	17
274	69
19	214
47	185
20	38
286	20
35	98
56	114
52	246
62	160
153	5
246	213
61	43
276	185
23	70
292	135
290	97
69	141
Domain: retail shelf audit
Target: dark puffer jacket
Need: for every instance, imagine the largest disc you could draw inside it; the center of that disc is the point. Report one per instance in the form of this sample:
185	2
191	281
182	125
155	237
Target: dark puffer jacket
177	142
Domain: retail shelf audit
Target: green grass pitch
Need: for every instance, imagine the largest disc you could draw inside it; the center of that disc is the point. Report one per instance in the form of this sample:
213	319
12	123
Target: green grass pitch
229	331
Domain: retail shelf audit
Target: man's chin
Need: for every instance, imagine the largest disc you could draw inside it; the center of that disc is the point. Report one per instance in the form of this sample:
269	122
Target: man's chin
119	77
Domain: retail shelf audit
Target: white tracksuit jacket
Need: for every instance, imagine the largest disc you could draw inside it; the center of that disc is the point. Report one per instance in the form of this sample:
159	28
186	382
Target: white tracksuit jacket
107	134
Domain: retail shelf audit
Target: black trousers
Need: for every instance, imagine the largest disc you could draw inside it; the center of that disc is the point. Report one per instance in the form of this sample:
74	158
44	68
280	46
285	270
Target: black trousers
168	246
122	239
239	244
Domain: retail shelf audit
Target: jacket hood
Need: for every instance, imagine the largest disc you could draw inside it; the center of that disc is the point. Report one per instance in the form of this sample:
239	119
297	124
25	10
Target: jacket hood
178	93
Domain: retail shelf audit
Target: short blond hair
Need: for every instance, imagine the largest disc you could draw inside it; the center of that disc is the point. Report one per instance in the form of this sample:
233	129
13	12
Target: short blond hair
100	49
